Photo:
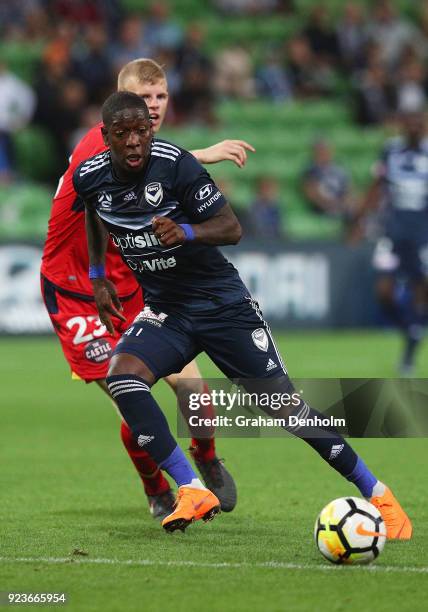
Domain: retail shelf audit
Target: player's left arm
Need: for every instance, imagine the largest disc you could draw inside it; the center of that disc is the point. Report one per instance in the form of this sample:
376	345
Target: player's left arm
221	229
233	150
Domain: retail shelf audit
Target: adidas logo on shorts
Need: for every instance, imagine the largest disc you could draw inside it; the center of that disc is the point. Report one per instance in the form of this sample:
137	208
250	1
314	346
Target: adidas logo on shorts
271	365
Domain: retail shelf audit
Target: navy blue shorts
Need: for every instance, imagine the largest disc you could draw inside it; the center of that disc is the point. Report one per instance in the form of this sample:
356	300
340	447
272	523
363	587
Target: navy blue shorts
402	257
403	250
235	337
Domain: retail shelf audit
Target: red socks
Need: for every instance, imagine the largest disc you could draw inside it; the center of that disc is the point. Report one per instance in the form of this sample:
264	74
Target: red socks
203	449
153	480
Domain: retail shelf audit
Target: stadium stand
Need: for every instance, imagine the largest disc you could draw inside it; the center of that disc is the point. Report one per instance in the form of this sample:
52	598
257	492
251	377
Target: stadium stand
282	133
24	210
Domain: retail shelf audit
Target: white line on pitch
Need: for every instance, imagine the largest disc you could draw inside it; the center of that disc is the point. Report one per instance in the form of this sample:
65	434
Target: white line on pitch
226	565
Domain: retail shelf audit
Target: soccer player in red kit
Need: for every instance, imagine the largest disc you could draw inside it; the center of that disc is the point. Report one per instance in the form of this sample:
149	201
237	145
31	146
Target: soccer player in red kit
68	296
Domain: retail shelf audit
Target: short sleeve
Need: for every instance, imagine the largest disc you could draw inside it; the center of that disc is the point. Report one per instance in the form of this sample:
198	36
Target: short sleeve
79	186
196	191
76	181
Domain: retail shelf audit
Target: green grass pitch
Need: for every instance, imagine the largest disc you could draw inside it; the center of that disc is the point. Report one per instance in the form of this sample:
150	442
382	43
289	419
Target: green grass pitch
67	485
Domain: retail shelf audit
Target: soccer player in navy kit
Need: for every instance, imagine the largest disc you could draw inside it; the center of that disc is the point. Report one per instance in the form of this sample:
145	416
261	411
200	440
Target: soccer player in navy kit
167	217
402	252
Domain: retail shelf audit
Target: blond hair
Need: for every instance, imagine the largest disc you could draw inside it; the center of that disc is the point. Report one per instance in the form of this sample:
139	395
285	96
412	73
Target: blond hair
141	70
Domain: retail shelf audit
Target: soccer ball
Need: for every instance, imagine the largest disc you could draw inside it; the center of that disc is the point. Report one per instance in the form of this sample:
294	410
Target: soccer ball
350	530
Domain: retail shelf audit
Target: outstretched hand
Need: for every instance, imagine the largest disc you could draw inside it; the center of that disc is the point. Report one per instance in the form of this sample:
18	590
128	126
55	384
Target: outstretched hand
233	150
168	232
107	302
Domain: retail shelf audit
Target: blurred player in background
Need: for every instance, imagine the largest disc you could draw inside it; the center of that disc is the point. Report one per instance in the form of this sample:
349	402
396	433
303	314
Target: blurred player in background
68	294
401	254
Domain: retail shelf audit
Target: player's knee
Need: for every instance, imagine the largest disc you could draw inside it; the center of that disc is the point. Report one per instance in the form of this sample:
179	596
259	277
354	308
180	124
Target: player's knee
172	381
189	380
123	363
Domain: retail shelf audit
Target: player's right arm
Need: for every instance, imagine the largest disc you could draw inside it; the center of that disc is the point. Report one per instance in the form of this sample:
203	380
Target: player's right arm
106	298
312	191
232	150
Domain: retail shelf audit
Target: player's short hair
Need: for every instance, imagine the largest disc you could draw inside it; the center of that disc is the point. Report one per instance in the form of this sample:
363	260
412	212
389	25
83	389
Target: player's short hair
120	100
142	71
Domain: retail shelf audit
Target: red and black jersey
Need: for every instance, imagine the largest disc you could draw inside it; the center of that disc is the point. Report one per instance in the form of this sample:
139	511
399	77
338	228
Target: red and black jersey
65	256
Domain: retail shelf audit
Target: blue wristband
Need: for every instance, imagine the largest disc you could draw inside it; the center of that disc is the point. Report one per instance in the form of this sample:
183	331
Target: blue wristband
188	231
98	271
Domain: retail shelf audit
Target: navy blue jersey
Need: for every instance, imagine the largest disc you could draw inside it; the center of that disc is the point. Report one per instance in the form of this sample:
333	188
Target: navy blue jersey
404	171
333	180
173	184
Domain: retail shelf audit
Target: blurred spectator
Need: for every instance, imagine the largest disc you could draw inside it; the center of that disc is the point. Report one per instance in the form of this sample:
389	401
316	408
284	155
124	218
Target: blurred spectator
351	36
326	185
320	35
60	101
38	26
161	31
53	71
234	73
393	33
410	87
272	78
92	64
168	60
191	52
254	7
130	43
195	99
17	102
309	77
374	95
423	16
72	104
265	210
13	15
82	13
58	48
78	12
90	116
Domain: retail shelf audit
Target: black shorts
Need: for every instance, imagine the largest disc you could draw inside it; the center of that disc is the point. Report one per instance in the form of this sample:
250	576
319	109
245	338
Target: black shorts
235	337
405	258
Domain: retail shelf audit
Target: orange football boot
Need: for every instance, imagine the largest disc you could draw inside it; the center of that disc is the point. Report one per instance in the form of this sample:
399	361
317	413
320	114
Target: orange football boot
191	505
398	524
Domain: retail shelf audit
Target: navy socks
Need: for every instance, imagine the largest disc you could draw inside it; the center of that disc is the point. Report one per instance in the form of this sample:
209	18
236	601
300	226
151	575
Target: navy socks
149	426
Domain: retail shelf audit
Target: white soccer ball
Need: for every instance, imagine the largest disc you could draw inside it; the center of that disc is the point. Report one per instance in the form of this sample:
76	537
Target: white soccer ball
350	530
